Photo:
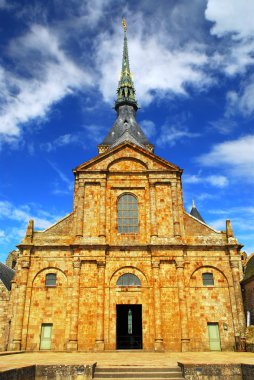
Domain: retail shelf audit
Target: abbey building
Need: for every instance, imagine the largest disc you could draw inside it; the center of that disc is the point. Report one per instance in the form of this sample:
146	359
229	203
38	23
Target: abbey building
128	268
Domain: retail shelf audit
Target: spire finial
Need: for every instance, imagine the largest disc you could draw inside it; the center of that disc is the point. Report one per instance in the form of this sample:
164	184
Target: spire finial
124	24
193	203
125	90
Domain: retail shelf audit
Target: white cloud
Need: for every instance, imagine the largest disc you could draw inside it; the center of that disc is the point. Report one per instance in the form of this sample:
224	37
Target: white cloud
219	181
148	127
48	76
234	22
60	141
231	17
172	134
242	101
94	132
237	156
4	4
159	66
65	186
24	213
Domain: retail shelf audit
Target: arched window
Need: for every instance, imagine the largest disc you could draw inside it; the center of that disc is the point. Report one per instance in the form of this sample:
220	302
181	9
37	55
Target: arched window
207	279
128	279
127	214
50	279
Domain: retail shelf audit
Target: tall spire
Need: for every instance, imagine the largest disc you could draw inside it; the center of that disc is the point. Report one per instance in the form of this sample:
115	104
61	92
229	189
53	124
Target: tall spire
125	89
125	127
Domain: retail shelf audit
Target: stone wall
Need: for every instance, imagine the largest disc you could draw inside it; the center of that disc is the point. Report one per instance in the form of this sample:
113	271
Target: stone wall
249	298
169	254
250	339
4	316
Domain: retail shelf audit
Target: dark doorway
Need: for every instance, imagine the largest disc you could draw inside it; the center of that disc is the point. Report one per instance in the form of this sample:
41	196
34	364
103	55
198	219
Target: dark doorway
129	327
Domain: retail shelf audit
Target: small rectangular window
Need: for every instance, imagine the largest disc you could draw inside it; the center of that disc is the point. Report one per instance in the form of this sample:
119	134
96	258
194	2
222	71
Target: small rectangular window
208	279
50	279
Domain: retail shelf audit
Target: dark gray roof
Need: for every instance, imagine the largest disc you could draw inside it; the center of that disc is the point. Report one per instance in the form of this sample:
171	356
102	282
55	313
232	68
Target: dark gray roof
6	275
194	212
126	128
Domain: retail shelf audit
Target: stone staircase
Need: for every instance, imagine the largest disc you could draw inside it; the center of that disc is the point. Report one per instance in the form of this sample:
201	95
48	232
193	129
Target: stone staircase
133	373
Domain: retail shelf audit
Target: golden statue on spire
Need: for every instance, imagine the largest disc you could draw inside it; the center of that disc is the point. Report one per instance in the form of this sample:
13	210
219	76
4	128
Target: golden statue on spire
124	24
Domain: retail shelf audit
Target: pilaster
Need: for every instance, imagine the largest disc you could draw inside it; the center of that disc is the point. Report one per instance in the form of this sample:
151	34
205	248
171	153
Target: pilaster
80	209
158	342
185	341
176	221
99	343
154	231
238	295
72	344
102	226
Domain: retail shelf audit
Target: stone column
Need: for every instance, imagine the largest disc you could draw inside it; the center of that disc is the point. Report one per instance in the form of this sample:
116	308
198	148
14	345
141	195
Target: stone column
72	345
238	295
154	231
102	227
21	288
158	341
80	209
182	306
176	222
99	343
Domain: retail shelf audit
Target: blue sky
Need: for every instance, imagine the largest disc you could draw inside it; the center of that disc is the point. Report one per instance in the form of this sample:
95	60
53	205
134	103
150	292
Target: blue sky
193	68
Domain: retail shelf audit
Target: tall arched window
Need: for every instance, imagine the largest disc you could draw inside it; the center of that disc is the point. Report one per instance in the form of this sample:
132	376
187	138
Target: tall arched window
127	214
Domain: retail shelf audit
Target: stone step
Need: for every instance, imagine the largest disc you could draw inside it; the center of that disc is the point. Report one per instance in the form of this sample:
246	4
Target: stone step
144	373
137	369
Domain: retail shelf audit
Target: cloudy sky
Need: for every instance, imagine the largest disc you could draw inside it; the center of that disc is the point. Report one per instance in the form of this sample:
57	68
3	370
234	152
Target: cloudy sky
193	68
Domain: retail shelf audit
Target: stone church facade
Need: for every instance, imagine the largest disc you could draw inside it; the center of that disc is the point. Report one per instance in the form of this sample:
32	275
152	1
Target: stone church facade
128	268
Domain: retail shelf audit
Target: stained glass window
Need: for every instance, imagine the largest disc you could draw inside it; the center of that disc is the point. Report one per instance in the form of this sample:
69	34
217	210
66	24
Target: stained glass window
127	214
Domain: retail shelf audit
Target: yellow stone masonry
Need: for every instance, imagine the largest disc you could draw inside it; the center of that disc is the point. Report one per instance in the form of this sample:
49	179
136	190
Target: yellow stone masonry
168	254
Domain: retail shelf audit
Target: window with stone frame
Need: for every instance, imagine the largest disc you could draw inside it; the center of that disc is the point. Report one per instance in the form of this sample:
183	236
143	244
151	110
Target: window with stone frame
208	279
128	279
127	213
50	280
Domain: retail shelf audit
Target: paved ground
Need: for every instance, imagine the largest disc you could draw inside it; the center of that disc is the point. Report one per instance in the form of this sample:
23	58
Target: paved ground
148	359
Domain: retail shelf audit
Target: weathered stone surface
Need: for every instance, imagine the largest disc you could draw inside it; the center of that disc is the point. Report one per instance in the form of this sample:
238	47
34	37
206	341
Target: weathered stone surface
212	372
4	316
169	254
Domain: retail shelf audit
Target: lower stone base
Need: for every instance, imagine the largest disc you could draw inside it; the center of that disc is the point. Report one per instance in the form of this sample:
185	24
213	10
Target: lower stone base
185	345
158	345
72	345
15	345
99	345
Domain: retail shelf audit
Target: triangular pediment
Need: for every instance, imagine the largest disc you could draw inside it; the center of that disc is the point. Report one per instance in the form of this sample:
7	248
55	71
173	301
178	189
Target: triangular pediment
128	157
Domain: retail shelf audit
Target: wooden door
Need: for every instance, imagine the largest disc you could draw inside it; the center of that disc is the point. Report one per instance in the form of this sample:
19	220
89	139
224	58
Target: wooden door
214	336
46	333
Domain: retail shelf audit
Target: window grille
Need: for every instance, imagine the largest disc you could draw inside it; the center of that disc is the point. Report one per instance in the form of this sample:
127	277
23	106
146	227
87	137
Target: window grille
208	279
127	214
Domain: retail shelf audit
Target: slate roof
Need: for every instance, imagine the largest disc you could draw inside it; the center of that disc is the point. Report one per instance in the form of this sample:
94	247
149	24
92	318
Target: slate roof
194	212
126	128
6	275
